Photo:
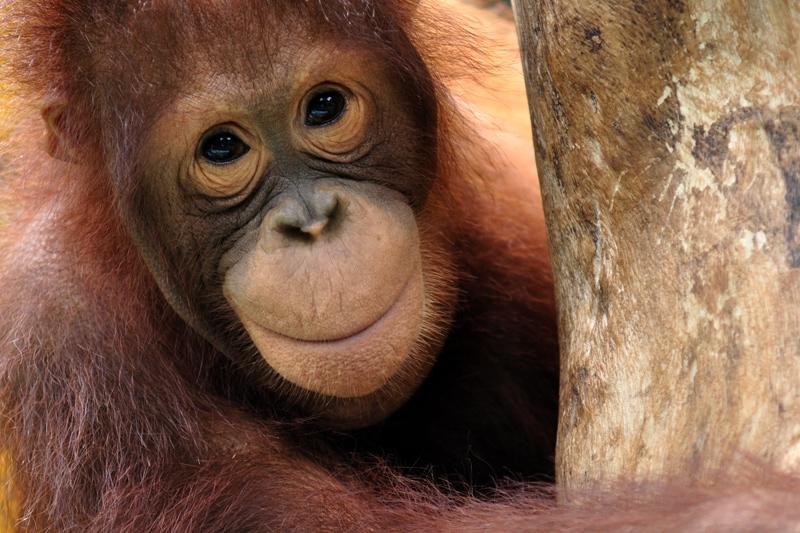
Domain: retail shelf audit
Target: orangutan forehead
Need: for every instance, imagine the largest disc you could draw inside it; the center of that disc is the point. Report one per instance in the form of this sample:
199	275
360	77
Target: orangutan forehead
231	20
160	43
129	59
97	50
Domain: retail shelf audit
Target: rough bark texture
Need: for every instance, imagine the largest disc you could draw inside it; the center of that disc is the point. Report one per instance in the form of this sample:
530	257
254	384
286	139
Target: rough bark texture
667	136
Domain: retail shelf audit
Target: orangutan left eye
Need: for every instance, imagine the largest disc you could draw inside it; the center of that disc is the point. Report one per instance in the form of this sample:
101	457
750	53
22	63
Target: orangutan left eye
228	160
325	108
223	148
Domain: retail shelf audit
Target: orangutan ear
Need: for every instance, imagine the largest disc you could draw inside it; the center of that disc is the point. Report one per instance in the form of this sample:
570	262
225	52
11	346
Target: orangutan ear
57	141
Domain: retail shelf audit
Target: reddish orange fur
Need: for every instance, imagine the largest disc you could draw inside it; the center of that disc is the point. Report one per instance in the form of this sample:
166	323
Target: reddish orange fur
118	417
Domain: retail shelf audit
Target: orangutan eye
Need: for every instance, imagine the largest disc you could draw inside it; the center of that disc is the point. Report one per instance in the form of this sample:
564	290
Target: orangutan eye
222	148
325	108
333	122
228	160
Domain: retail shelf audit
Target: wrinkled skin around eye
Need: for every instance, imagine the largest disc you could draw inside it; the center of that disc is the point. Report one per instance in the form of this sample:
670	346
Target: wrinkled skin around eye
226	164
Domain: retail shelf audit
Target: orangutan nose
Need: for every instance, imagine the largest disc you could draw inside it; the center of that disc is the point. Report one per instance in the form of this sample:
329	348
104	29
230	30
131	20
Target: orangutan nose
307	217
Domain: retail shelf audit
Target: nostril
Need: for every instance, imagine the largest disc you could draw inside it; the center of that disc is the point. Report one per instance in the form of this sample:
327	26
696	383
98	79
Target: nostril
315	229
293	231
327	212
308	218
288	218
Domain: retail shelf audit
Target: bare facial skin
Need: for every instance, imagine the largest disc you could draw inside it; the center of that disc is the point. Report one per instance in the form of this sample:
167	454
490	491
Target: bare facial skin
331	289
300	198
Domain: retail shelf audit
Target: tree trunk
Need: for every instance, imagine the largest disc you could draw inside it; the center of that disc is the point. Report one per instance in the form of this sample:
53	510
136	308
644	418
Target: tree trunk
667	138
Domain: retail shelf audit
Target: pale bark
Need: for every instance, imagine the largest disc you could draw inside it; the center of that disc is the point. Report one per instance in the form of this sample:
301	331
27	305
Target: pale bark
667	137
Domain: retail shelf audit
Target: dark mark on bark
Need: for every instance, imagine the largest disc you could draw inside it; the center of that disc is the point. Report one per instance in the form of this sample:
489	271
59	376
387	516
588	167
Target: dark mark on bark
594	37
576	395
711	148
784	136
602	288
593	99
559	172
661	127
783	130
663	122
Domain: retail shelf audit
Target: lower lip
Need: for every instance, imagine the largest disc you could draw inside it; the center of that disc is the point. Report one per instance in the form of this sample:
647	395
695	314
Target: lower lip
352	366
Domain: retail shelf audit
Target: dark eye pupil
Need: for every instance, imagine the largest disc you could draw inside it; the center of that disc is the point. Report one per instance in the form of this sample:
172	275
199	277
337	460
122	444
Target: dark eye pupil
324	108
223	147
